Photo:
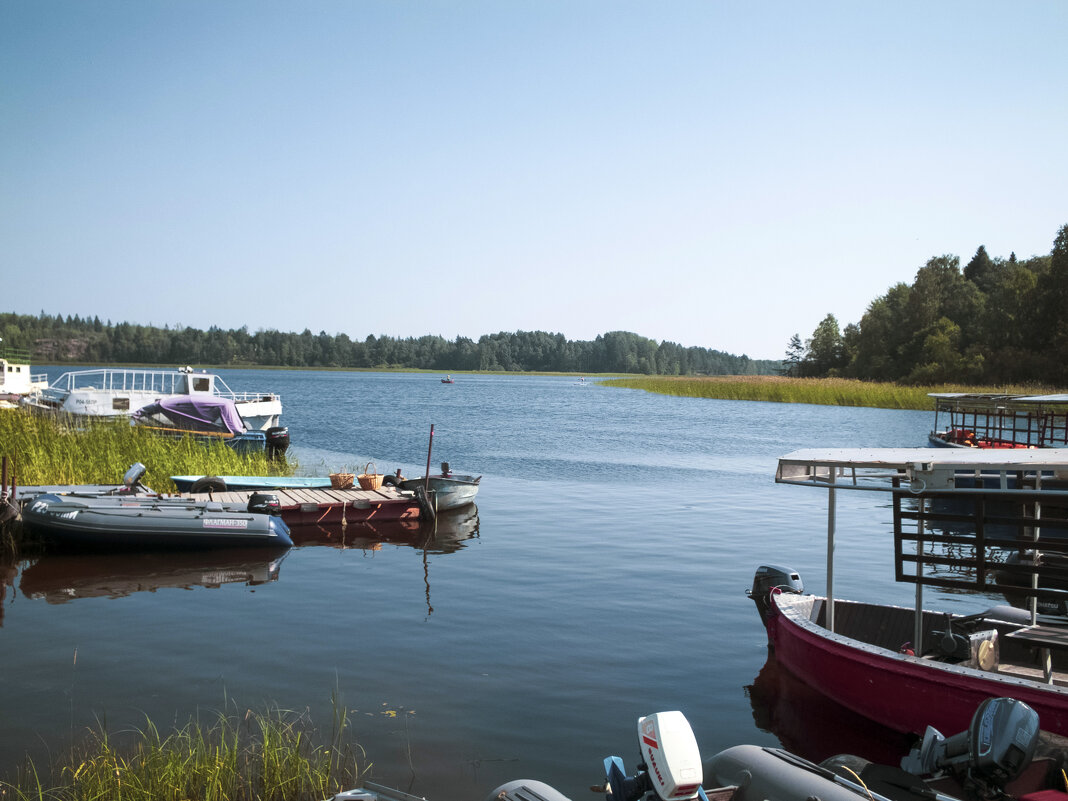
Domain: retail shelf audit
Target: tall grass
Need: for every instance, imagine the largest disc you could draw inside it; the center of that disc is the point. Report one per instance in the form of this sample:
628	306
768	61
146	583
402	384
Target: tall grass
272	756
51	450
825	391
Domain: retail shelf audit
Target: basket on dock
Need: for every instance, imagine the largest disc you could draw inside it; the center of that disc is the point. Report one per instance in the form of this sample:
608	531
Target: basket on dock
370	479
342	480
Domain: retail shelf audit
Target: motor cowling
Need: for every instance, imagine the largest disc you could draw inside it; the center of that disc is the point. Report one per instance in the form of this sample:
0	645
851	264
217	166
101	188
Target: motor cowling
769	577
277	441
265	503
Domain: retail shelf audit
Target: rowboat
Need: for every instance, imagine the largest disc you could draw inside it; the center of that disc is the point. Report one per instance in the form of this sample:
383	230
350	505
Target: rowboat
908	668
447	490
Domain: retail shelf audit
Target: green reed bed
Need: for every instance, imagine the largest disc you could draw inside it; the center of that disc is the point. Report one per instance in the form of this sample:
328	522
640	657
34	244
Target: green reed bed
273	756
825	391
51	450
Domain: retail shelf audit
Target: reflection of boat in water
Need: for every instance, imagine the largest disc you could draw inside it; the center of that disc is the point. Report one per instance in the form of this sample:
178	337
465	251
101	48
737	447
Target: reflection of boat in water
60	578
445	534
813	726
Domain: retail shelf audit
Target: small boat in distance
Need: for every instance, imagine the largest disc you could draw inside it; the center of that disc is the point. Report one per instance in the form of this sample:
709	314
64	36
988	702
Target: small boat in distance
990	420
447	380
119	392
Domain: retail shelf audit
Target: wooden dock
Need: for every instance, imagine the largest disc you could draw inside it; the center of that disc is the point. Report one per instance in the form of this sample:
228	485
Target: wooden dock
319	506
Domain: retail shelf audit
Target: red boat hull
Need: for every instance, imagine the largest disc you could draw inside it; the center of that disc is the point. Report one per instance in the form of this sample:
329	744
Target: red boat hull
899	691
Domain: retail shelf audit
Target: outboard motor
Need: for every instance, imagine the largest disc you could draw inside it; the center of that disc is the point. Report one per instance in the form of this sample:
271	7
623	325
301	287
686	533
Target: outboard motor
132	479
768	578
277	442
670	769
998	745
265	503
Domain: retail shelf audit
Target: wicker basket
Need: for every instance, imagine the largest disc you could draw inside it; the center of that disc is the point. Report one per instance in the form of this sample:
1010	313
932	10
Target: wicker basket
341	480
370	478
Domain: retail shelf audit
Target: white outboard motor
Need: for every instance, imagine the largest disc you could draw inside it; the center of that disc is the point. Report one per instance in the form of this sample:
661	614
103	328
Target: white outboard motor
998	745
670	769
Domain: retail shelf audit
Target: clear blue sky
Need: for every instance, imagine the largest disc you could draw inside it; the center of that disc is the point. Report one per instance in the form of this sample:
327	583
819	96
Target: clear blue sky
720	174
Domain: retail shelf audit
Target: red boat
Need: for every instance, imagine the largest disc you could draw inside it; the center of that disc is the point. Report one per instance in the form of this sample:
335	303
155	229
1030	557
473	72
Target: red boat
907	668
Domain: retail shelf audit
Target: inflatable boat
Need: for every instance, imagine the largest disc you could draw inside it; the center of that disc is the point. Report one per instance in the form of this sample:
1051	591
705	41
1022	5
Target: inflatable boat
95	522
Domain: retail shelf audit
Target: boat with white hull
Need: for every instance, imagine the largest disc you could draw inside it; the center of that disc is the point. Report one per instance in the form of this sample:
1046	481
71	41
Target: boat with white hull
119	392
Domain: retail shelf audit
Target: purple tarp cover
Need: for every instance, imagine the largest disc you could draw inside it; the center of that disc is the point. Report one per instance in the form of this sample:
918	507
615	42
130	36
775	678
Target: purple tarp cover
197	413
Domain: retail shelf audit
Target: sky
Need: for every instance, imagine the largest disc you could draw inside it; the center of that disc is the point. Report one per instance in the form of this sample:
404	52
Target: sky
717	174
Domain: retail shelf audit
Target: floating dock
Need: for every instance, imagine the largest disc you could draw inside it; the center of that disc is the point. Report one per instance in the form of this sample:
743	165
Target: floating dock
319	506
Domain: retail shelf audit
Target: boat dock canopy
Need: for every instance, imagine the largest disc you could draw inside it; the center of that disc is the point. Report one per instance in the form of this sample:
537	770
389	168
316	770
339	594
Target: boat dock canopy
922	469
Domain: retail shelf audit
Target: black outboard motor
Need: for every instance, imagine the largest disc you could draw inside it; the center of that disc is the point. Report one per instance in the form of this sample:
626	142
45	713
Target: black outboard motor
277	442
769	577
998	745
265	503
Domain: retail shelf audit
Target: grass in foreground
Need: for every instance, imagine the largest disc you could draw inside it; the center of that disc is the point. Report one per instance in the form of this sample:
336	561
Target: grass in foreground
825	391
258	757
48	450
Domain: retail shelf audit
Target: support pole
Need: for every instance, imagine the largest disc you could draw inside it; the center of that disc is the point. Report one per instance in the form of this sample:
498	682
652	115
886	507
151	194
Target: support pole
831	504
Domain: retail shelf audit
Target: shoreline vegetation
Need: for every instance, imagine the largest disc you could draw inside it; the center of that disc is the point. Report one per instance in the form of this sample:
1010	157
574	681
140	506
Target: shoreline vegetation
822	391
258	756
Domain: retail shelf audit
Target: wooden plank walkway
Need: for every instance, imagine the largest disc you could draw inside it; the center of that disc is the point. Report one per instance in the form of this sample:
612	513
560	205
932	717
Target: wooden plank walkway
317	506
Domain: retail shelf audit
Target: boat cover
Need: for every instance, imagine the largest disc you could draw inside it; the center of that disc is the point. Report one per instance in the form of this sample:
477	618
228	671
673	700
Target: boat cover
195	413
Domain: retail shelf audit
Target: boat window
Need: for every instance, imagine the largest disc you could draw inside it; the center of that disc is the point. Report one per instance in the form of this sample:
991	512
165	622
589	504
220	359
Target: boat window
202	384
120	404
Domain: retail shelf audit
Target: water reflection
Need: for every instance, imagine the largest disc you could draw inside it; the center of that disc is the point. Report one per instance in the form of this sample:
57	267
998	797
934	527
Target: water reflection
58	578
446	534
813	726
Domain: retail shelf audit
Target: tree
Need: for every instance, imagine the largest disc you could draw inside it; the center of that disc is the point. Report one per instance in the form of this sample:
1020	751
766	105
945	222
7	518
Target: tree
825	351
795	357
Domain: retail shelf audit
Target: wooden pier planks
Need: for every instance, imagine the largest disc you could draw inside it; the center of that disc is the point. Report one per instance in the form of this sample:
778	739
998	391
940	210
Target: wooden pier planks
316	506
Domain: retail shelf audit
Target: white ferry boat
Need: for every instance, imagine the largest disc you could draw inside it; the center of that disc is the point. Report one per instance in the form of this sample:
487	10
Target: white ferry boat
119	392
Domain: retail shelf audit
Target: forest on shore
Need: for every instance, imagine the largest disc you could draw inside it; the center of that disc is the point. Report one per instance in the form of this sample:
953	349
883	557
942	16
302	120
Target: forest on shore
997	321
55	339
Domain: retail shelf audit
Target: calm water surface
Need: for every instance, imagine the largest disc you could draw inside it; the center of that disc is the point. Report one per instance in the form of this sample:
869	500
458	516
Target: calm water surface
601	577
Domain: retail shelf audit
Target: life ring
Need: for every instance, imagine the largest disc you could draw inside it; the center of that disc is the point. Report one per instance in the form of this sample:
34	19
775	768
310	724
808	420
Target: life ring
208	484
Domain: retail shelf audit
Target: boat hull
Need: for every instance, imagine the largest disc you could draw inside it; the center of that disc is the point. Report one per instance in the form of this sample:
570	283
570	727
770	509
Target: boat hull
88	523
451	492
900	691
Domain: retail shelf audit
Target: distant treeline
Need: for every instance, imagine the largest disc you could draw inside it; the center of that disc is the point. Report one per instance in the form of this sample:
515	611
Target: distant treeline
997	321
55	339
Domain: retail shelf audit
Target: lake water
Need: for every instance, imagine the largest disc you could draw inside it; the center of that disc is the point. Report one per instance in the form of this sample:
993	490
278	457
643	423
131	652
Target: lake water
601	578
